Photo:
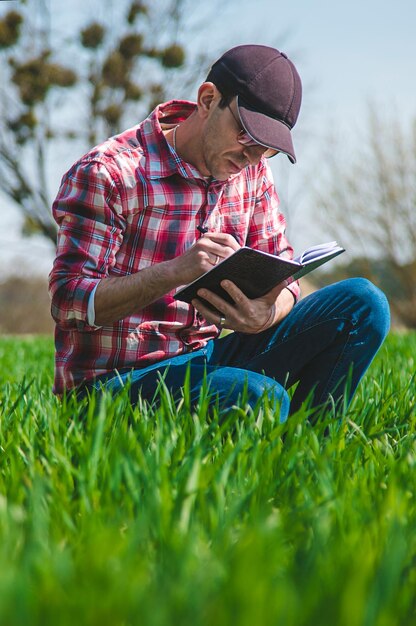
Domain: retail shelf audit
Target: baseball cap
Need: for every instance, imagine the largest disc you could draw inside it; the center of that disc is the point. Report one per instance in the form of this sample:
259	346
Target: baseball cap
269	93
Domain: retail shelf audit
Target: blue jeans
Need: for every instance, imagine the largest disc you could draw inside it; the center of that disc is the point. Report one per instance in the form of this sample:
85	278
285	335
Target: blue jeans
328	339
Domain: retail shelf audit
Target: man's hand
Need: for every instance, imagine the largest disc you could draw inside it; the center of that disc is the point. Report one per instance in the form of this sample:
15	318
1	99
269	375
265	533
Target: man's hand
208	251
119	296
246	316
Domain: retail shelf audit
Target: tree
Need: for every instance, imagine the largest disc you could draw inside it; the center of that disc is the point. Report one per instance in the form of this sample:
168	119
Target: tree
103	69
368	202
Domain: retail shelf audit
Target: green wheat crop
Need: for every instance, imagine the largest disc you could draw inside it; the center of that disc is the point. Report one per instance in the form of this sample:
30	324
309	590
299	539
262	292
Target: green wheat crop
172	517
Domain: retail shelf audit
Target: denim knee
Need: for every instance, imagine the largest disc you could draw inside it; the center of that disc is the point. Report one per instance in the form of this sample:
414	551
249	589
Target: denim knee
232	384
372	306
259	386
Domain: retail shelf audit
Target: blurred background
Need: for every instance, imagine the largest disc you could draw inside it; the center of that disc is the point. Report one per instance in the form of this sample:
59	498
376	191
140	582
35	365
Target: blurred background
72	74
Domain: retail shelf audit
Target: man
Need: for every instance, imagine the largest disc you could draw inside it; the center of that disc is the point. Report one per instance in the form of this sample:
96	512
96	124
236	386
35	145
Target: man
153	208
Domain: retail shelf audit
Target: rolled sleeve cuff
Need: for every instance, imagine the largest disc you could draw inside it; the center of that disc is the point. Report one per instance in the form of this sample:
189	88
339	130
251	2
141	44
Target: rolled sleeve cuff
71	304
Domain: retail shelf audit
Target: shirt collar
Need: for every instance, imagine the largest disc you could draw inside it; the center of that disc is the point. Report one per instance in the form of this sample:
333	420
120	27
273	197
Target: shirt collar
161	159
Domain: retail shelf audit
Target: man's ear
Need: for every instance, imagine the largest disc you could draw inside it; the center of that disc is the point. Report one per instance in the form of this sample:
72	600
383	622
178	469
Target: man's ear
208	94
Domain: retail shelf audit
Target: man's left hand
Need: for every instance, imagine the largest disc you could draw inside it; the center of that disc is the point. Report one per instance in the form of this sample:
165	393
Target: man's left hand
245	315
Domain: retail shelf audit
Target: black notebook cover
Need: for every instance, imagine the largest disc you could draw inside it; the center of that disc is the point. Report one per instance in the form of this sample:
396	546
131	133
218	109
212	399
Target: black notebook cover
254	272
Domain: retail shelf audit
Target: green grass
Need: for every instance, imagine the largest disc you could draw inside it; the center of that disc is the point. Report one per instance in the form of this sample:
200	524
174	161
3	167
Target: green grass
172	518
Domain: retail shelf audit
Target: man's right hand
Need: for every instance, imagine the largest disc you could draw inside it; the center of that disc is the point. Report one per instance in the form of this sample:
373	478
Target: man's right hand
119	296
208	251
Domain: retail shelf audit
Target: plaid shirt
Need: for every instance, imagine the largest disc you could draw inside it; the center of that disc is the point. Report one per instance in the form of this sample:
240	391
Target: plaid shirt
127	204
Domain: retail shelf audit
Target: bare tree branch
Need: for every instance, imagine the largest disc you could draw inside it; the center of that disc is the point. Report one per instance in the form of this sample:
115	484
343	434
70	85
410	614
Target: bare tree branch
112	72
368	202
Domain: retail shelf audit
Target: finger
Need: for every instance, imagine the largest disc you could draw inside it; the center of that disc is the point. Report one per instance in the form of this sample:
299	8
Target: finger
223	239
241	299
214	250
216	302
213	317
236	294
214	259
252	314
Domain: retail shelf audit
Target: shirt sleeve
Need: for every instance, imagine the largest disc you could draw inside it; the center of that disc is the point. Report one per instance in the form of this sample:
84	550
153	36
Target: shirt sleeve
268	225
88	211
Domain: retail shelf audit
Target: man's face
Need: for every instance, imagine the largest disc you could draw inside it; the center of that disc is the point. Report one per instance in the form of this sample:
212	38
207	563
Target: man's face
223	156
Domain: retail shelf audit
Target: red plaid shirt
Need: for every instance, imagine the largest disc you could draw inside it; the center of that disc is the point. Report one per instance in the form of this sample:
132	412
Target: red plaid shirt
132	202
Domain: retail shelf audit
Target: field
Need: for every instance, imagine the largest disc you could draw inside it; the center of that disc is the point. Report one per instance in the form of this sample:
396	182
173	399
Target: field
113	516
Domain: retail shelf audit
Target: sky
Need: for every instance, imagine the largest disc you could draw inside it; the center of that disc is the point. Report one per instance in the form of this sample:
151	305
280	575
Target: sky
348	55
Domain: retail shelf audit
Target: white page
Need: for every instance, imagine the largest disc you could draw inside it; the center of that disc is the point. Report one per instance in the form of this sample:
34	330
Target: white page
317	252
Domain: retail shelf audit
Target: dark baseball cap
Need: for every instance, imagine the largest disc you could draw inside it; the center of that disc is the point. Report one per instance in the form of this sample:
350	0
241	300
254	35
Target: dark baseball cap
269	93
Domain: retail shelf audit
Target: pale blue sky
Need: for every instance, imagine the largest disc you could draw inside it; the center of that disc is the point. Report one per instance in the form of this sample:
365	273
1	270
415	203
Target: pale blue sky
348	53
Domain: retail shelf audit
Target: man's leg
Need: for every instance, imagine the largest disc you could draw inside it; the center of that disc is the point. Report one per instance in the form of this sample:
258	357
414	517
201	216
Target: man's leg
226	386
333	333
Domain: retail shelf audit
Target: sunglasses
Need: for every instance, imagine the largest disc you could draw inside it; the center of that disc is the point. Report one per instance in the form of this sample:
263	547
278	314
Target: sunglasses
245	140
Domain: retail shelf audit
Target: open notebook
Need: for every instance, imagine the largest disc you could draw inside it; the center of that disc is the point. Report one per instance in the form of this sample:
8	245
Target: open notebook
256	272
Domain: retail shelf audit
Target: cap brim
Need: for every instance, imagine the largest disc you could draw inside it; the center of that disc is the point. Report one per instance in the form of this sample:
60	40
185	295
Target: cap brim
266	130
